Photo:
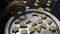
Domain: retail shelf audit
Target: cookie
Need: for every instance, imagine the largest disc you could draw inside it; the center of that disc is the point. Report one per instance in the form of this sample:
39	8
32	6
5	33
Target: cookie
43	16
23	25
32	30
39	20
38	29
37	1
36	4
34	14
49	1
24	31
53	28
47	4
34	23
47	9
17	21
15	29
41	8
49	22
43	25
46	32
28	21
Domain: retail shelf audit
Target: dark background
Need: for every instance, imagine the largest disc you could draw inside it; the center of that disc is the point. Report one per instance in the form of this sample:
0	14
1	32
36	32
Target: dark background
3	3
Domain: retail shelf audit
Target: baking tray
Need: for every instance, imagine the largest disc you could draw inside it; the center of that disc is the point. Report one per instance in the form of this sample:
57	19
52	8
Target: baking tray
27	14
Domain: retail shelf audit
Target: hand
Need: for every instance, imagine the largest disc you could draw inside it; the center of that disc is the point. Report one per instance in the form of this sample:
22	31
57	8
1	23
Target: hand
18	4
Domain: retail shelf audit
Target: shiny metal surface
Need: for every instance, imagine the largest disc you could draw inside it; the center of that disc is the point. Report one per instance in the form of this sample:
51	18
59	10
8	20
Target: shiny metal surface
11	24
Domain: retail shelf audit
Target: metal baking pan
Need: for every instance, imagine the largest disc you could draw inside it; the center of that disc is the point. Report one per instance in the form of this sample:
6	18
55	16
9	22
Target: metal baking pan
10	24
